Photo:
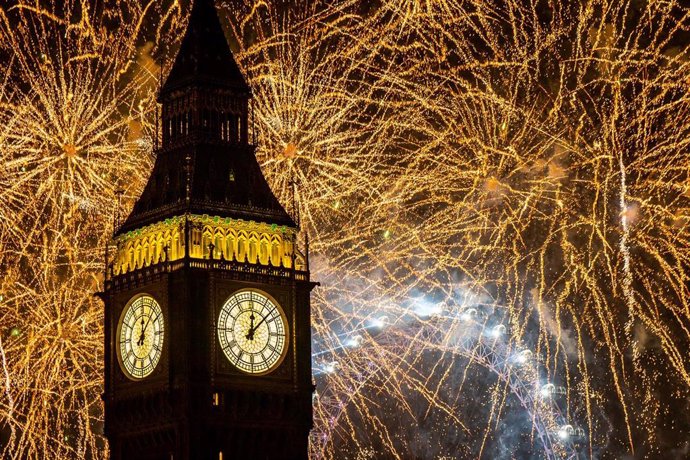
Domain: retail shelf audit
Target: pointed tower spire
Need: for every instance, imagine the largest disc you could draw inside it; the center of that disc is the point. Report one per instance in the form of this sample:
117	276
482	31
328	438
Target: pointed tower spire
204	56
206	164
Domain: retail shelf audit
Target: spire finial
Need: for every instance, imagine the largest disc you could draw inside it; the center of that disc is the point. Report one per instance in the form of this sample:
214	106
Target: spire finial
205	56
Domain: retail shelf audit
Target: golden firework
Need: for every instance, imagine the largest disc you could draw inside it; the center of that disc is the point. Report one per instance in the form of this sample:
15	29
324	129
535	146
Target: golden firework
497	194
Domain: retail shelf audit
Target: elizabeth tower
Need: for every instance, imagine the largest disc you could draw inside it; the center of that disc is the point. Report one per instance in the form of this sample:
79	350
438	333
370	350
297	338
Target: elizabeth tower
207	310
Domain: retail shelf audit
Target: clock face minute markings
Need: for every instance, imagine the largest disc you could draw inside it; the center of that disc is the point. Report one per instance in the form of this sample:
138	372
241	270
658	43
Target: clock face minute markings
252	332
141	333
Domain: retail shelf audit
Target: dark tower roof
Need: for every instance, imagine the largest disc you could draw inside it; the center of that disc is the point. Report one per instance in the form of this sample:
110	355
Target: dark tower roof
204	56
200	169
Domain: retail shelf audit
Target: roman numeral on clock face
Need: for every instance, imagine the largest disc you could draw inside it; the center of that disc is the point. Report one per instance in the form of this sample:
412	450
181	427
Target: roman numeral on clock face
141	336
250	330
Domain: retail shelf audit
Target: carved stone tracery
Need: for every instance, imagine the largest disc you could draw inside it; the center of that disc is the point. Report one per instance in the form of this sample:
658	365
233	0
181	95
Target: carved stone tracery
216	238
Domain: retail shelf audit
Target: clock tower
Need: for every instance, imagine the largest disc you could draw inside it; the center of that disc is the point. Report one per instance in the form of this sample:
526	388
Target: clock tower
207	308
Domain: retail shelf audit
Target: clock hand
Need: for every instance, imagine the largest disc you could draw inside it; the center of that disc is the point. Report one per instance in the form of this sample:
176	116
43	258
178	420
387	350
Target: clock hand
250	333
147	324
253	329
143	330
258	324
140	342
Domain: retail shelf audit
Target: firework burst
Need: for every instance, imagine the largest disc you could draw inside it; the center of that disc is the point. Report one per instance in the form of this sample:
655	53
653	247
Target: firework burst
78	106
497	195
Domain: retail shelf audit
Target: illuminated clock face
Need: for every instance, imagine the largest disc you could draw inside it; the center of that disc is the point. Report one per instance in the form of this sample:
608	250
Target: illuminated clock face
140	334
252	331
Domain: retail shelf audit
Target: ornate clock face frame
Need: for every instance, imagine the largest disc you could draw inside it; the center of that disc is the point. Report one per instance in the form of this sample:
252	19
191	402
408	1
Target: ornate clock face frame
140	334
253	332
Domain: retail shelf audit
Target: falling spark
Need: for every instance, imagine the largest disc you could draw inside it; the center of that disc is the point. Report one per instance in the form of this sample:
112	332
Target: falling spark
496	196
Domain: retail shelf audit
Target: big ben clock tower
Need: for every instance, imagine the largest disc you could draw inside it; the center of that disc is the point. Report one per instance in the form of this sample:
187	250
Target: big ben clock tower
207	310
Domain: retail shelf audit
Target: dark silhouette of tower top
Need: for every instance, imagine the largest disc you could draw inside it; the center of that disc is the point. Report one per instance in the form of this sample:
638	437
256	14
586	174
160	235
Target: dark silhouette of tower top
205	57
206	164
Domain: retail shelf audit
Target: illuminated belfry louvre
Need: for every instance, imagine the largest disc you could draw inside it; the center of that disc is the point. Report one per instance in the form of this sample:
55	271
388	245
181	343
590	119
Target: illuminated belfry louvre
210	238
207	294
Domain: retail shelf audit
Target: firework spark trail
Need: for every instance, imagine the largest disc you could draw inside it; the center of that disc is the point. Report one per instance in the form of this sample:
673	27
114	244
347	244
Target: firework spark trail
534	154
564	215
9	408
75	126
406	334
76	111
52	342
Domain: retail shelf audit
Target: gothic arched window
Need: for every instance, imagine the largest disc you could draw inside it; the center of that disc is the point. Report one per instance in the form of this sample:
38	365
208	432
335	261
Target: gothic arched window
275	252
241	248
252	249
